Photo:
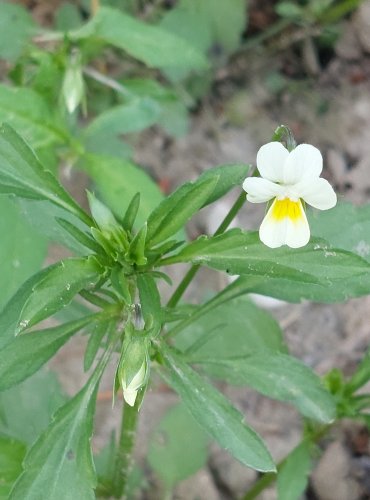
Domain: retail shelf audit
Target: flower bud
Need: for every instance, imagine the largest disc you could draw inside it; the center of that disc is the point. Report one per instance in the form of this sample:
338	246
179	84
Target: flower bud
133	370
73	85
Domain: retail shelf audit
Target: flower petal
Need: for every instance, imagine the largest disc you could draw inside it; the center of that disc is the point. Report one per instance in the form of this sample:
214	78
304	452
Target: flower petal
305	161
270	161
319	194
130	397
260	190
289	227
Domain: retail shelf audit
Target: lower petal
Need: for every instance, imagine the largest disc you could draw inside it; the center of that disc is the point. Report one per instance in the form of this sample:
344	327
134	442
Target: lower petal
285	224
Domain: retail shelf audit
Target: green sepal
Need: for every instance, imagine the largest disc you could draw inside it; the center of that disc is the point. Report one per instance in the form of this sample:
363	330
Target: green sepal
120	284
79	235
131	212
136	251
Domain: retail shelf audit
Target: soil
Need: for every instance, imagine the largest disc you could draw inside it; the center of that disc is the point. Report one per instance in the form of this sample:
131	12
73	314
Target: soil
324	96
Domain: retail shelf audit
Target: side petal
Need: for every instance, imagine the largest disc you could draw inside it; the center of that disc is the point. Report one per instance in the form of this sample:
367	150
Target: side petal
305	161
319	194
277	231
260	190
270	161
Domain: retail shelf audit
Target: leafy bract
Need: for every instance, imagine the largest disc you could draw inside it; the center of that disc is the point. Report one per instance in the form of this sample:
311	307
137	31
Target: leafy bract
26	111
27	353
118	181
59	465
22	251
150	44
173	453
23	175
215	413
239	252
277	376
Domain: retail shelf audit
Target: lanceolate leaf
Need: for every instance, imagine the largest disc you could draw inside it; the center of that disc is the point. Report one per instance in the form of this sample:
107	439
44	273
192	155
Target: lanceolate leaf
277	376
293	475
176	210
229	176
57	289
27	353
22	251
23	175
239	252
12	453
60	465
150	44
26	111
216	414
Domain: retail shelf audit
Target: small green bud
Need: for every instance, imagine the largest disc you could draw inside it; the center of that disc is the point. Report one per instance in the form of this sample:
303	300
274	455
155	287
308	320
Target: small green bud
73	88
133	370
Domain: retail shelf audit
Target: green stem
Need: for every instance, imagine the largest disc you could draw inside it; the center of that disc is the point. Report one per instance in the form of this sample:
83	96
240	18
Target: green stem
124	458
179	292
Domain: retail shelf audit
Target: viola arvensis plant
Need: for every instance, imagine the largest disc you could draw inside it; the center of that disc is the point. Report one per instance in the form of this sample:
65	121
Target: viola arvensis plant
288	178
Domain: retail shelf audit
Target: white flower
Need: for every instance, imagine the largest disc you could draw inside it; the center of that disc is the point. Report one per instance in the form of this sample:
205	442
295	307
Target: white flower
130	391
288	178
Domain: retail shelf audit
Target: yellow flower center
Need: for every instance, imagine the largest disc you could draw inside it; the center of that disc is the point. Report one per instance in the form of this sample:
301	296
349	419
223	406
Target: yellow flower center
287	208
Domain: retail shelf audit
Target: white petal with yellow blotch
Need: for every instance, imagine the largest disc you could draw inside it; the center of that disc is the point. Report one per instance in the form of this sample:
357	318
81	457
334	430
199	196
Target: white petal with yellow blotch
285	224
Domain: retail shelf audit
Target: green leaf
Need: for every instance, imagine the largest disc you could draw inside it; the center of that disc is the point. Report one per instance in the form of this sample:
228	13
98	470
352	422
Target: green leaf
292	477
136	251
235	328
174	454
26	111
150	299
118	181
16	28
67	17
27	353
229	176
239	252
345	226
22	251
55	289
25	410
97	333
59	465
171	215
149	44
45	218
278	376
9	316
12	453
136	115
215	414
23	175
128	219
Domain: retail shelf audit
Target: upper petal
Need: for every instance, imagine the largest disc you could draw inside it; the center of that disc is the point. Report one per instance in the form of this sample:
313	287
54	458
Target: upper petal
305	161
270	161
318	193
260	190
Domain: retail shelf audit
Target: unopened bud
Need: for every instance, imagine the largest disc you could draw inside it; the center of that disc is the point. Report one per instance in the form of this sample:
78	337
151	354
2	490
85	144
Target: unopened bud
133	370
73	84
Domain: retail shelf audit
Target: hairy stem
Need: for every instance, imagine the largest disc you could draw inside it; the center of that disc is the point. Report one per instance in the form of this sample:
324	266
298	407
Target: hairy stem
124	458
187	279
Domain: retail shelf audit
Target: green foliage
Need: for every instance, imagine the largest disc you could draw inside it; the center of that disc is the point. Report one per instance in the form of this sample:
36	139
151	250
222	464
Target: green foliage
234	328
149	44
12	453
277	376
22	251
118	181
178	446
293	475
61	458
216	414
16	28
